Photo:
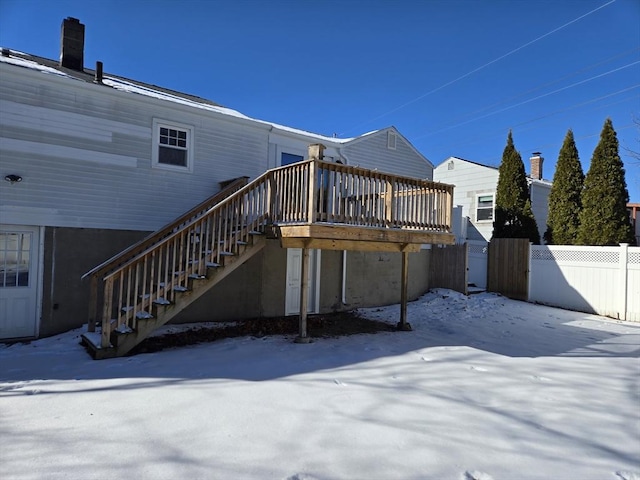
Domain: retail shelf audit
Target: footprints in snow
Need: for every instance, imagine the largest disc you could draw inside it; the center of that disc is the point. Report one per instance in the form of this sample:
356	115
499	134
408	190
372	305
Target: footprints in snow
628	475
476	475
478	369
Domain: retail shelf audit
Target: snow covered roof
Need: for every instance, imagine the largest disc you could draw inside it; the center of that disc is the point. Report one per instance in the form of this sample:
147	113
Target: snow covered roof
52	67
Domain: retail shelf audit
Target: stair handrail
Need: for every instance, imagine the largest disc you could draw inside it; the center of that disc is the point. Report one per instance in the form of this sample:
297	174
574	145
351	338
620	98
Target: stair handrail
151	239
190	223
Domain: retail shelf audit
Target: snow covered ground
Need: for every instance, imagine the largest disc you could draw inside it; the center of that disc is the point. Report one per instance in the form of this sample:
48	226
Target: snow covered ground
484	388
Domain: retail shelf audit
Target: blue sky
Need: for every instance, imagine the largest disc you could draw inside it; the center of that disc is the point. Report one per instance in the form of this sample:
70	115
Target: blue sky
452	76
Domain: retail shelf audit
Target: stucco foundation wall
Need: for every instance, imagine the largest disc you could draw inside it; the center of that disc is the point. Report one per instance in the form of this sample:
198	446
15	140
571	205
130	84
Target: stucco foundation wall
68	254
255	289
331	282
374	279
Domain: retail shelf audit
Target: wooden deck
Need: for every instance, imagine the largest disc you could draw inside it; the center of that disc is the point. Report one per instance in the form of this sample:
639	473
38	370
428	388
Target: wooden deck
309	205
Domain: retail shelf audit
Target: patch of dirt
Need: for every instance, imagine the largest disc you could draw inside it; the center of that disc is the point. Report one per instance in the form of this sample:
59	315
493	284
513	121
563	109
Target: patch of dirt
318	326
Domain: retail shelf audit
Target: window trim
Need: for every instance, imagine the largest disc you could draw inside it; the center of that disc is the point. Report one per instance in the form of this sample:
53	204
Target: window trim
155	160
493	206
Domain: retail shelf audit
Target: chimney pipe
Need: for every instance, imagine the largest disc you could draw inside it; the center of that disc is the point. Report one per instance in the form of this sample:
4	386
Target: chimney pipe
98	77
72	44
536	165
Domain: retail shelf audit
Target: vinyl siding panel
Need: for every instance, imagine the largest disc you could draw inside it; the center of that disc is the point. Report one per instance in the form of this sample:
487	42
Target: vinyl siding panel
540	205
84	152
372	152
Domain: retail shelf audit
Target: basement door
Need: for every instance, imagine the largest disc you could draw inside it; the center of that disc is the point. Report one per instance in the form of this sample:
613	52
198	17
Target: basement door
292	295
19	281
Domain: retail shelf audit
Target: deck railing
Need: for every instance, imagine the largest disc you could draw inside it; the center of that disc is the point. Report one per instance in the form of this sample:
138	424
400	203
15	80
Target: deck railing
152	271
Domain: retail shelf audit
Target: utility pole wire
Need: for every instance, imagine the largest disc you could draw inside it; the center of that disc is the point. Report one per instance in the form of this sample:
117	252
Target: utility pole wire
528	101
480	67
495	131
541	86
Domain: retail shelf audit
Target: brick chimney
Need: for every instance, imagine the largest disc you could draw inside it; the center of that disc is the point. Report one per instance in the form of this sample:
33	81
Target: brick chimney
72	44
536	165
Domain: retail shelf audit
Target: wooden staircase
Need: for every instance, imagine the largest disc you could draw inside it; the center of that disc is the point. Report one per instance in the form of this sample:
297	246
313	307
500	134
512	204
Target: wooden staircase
311	204
148	284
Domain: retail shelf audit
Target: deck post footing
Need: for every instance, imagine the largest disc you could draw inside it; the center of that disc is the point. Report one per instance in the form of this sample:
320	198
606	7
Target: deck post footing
404	327
300	339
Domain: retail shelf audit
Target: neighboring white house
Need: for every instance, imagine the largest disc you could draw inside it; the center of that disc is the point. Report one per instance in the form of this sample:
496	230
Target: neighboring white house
475	191
94	162
474	204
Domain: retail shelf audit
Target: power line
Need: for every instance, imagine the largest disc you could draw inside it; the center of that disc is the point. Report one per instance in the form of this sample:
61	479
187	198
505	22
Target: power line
477	138
481	67
529	100
547	84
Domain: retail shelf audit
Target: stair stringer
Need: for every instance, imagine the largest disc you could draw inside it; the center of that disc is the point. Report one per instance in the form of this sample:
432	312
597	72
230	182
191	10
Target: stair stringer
122	343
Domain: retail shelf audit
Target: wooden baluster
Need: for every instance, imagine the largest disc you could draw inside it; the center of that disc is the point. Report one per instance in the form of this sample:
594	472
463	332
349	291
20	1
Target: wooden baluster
136	289
119	305
152	280
311	213
105	338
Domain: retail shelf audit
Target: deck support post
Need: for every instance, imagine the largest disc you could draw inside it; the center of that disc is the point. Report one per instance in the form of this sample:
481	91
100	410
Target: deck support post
304	297
402	324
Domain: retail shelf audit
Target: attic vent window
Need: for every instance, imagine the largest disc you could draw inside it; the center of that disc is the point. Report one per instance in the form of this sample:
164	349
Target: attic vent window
391	140
451	165
172	146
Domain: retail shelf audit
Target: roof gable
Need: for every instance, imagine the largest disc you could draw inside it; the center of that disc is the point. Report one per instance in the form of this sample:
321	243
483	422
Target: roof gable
385	131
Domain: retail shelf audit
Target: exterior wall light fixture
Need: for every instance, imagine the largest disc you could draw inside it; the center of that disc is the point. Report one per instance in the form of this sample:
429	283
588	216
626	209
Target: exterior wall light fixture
13	178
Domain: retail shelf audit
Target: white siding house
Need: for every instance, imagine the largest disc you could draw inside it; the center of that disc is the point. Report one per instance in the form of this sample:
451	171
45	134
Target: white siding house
475	191
103	160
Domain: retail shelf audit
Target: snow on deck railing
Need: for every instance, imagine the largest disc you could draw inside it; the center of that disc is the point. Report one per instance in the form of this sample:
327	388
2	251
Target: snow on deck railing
312	191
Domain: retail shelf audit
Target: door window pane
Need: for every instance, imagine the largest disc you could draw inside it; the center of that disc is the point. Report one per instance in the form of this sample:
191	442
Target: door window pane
15	250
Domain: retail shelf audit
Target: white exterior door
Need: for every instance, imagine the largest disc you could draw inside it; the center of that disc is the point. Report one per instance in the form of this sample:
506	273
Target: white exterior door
19	281
478	257
292	295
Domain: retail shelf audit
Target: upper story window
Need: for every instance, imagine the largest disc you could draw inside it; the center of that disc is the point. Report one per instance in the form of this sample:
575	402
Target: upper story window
289	158
172	146
484	209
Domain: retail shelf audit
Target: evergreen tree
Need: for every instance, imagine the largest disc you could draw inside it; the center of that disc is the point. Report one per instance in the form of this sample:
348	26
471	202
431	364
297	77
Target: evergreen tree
604	219
564	200
514	217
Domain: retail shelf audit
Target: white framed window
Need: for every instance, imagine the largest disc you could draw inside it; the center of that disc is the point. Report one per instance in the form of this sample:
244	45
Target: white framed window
484	207
172	146
391	140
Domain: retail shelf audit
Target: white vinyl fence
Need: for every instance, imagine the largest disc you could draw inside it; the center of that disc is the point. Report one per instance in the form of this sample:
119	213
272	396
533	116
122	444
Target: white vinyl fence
600	280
